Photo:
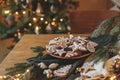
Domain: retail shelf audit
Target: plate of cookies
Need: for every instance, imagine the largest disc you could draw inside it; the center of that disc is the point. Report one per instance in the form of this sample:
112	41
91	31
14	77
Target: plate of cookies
70	47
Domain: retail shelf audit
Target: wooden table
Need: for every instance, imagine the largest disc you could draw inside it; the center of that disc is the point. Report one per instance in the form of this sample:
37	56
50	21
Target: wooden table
22	49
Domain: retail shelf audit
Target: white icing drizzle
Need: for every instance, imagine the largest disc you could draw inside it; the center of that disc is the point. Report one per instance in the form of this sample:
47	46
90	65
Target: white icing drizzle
58	45
62	72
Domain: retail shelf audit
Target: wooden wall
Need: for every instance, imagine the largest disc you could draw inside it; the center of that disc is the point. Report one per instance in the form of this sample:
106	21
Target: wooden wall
94	4
86	21
90	14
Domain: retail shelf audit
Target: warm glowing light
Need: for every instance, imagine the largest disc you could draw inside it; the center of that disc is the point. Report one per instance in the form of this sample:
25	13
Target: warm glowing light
113	78
19	33
30	24
41	18
17	13
60	28
17	79
46	22
61	19
7	11
37	28
54	19
4	76
34	19
28	69
1	77
45	0
53	23
24	12
18	75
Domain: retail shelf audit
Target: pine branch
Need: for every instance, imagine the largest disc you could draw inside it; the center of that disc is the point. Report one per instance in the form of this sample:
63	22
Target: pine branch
2	28
103	51
104	27
115	30
38	49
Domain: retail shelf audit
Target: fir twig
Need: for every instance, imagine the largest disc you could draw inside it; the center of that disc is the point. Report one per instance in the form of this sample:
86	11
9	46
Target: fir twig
104	27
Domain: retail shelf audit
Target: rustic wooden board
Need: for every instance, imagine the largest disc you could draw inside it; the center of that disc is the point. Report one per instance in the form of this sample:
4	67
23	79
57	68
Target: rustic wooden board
22	49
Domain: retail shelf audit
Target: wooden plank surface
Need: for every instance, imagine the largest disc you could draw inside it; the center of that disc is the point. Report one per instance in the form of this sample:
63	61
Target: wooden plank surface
22	49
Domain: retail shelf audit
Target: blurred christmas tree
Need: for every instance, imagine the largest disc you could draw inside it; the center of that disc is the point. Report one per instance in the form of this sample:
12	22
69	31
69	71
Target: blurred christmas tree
35	16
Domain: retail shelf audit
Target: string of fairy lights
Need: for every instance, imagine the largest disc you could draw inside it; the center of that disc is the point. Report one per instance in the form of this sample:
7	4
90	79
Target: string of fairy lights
27	74
15	77
37	19
34	21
